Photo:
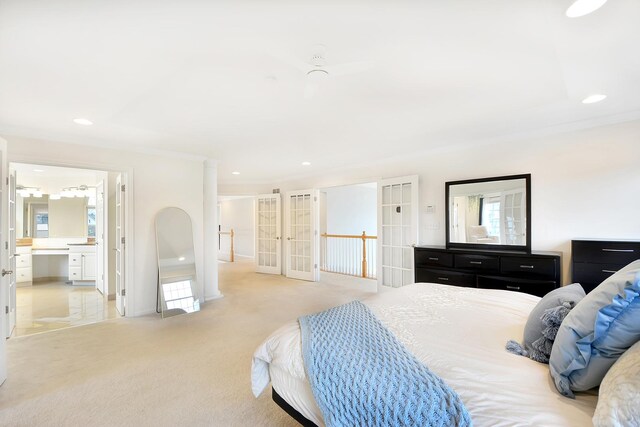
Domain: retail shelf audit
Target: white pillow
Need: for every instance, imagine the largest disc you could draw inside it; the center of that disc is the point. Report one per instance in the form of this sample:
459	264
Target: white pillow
620	392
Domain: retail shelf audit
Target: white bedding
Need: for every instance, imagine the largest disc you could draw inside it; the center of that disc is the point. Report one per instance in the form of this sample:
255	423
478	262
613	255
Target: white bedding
459	333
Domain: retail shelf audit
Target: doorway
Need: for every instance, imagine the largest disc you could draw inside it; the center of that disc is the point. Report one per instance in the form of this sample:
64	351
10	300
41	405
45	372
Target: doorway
65	247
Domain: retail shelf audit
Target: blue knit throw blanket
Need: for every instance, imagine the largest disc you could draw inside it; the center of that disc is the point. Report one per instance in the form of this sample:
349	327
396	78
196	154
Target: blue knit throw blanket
361	375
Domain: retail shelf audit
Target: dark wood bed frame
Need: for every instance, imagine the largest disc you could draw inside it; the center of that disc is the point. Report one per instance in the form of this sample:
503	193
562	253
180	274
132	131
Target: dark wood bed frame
290	409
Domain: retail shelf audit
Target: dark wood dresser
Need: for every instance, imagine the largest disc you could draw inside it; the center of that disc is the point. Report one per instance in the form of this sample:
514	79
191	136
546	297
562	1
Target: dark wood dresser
592	261
535	273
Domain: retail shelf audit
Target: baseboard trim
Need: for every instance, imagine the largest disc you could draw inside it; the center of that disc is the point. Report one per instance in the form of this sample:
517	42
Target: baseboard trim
50	279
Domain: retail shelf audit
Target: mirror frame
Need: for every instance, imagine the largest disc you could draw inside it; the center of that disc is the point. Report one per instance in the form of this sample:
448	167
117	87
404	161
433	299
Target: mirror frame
486	246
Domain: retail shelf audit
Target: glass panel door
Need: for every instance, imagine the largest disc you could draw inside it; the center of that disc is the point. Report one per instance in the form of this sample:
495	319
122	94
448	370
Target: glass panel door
268	241
302	235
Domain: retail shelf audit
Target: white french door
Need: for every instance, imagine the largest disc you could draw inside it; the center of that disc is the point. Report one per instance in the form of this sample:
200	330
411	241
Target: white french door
120	246
4	259
397	230
11	217
268	236
301	231
100	238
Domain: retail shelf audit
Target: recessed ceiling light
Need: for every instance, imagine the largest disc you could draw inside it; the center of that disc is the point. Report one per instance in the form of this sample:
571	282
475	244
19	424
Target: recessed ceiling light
83	122
592	99
584	7
235	173
181	258
306	163
38	170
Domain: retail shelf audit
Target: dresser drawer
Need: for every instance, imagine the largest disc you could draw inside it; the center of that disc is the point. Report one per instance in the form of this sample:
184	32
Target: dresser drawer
534	287
477	262
602	252
530	266
445	277
433	258
593	273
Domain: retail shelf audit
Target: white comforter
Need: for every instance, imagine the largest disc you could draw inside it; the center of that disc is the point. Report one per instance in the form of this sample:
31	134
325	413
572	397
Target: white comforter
459	333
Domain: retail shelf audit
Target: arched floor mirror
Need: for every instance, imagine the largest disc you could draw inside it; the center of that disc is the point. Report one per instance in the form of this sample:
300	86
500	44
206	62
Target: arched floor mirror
176	263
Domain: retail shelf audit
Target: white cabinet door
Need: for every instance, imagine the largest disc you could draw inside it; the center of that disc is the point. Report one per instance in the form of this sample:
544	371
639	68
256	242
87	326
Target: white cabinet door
89	266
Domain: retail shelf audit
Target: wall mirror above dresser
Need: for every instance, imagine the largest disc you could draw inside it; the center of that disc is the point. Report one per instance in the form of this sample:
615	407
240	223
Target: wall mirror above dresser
489	213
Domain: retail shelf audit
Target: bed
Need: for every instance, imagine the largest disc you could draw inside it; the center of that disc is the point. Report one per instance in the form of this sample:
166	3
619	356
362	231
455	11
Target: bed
460	334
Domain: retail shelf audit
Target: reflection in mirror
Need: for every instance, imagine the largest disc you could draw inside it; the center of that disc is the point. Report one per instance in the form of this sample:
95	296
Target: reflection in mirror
176	263
491	211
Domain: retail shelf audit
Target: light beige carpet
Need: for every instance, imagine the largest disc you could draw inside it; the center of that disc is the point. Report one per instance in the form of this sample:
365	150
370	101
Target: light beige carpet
186	370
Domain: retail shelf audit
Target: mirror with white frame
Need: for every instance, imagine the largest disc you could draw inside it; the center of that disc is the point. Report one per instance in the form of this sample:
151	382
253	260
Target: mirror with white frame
177	280
489	213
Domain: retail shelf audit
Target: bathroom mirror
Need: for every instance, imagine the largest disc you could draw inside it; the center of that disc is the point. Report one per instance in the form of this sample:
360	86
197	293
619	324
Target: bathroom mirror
176	263
489	213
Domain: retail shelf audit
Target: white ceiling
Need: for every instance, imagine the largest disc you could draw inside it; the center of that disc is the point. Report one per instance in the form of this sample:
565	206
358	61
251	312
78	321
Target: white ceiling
204	78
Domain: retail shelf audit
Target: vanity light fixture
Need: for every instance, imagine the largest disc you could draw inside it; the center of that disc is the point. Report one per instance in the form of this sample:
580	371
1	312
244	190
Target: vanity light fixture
38	170
83	122
306	163
592	99
37	193
235	173
584	7
55	196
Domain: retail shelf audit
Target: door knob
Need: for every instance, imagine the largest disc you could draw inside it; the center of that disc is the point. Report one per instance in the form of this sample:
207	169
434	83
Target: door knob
5	272
278	238
288	238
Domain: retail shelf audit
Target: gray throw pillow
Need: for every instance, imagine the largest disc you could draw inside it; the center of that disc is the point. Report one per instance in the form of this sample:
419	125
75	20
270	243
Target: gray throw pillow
543	322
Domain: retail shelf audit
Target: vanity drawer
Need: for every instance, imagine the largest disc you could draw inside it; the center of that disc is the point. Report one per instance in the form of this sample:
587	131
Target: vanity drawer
433	258
24	274
535	266
75	260
23	260
445	277
75	273
533	287
477	262
603	252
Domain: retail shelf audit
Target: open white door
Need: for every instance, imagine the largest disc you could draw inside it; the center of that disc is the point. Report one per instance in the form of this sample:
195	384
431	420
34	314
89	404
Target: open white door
120	247
4	259
100	238
397	230
301	230
268	241
11	217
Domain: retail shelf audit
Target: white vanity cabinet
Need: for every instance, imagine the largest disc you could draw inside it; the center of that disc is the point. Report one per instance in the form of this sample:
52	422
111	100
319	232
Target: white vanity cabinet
82	262
24	272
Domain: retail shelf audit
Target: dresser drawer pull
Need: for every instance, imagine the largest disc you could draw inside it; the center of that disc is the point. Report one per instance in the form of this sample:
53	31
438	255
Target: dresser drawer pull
443	278
609	271
618	250
513	288
475	262
433	259
526	266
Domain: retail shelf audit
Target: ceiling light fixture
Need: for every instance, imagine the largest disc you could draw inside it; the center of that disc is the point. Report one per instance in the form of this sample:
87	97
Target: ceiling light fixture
83	122
592	99
306	163
235	173
584	7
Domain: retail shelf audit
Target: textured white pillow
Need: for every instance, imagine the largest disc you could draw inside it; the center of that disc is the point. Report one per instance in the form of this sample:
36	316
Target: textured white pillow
620	392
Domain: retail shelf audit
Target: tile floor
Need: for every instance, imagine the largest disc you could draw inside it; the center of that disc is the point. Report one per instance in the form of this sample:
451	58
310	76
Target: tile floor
45	307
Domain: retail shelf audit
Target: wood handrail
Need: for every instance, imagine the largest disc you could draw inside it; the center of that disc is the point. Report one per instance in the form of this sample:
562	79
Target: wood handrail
349	236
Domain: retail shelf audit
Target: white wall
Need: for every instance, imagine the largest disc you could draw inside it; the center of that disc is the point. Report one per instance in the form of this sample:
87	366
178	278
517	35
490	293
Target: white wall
352	209
585	184
158	181
238	214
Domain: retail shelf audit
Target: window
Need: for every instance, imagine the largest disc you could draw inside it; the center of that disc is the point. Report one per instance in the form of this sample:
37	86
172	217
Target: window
91	221
491	215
